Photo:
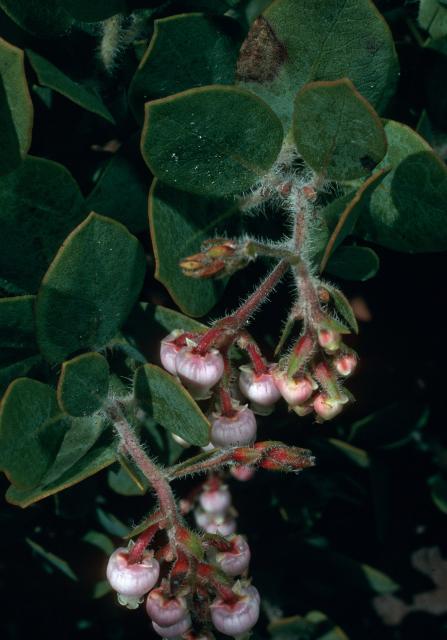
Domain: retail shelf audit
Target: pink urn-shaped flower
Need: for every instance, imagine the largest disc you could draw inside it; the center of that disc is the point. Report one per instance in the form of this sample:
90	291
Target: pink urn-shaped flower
238	429
259	388
235	561
132	580
236	618
173	630
169	351
163	610
199	373
215	501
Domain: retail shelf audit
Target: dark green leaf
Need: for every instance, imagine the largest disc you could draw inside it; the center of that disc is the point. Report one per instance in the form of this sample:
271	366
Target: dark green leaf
407	212
433	17
102	455
88	11
16	108
111	523
40	204
179	223
80	437
55	561
170	404
126	482
44	18
89	288
296	41
99	540
438	486
212	140
353	263
342	214
337	131
122	189
83	384
18	348
50	76
390	427
174	61
342	306
356	455
31	431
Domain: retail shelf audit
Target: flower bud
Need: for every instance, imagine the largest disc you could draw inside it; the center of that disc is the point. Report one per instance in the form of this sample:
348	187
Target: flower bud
239	429
163	610
235	561
173	630
234	619
326	407
260	389
345	364
294	390
242	472
329	339
169	351
199	372
215	501
133	580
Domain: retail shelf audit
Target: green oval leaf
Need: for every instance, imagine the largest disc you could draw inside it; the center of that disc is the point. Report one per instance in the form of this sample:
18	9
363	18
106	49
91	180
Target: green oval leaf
170	404
52	77
83	384
179	223
407	212
89	289
337	131
44	18
164	71
295	42
342	214
40	204
98	457
212	140
16	108
354	263
433	17
31	431
122	189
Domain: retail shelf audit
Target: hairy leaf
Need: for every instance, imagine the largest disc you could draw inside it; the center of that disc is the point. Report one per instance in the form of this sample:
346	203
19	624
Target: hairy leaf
89	289
213	141
170	404
353	263
83	384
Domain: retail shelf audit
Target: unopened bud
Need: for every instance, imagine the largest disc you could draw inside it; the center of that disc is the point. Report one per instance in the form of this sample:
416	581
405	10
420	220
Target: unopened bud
300	354
345	364
295	391
219	257
327	408
329	339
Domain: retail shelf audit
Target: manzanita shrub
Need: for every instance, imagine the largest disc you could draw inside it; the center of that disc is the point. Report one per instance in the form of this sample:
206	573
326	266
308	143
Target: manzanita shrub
260	133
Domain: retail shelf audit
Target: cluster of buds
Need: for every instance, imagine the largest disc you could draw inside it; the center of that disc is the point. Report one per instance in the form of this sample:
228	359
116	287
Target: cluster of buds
190	584
218	257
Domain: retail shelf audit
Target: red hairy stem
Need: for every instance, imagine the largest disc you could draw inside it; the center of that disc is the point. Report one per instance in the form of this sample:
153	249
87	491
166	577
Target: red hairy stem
224	332
149	469
137	551
247	343
226	404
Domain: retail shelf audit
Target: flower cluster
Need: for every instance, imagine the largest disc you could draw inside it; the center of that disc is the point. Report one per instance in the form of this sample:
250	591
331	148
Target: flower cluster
190	584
